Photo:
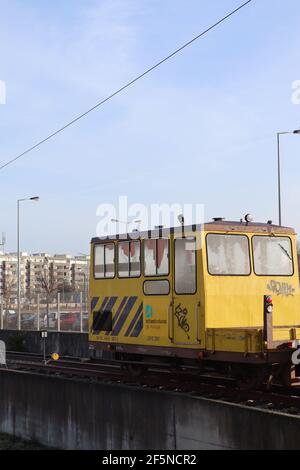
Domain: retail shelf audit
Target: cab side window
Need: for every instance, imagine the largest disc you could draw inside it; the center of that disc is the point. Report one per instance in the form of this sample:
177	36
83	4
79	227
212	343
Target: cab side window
129	259
228	255
156	257
273	256
104	261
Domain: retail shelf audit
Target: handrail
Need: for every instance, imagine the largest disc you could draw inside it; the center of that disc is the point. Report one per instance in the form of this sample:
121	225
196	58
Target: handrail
197	310
170	321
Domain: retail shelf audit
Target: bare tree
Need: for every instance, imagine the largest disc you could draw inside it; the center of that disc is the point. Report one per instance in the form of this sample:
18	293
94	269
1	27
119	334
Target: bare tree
49	287
9	292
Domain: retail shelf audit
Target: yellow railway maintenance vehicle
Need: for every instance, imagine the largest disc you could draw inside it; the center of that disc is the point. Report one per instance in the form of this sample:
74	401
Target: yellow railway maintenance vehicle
219	295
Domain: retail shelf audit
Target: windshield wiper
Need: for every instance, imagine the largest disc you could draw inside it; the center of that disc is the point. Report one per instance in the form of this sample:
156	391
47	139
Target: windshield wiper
285	251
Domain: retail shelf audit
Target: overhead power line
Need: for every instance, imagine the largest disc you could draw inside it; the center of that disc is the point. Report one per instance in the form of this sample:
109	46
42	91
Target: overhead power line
70	123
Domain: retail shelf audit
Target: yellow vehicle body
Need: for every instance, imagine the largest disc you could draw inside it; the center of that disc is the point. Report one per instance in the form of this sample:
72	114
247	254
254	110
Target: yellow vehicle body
223	318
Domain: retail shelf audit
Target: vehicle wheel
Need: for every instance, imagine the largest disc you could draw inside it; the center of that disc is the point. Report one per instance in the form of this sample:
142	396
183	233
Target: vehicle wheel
286	375
252	377
136	370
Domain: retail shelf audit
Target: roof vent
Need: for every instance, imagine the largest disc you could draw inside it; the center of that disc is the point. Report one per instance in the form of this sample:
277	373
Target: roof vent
218	219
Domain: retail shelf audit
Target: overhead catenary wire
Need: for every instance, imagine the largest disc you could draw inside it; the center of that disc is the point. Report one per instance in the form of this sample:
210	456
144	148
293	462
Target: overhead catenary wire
127	85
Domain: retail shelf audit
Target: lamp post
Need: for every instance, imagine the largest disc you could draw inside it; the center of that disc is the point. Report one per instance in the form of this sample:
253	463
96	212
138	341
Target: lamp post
83	296
35	198
83	274
84	283
84	301
279	134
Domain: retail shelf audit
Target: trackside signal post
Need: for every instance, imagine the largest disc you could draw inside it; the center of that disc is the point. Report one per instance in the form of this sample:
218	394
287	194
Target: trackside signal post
2	353
44	336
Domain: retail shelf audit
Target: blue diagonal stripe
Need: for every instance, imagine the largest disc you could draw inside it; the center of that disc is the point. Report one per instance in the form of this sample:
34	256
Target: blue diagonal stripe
138	327
133	321
94	302
99	311
118	313
126	311
110	303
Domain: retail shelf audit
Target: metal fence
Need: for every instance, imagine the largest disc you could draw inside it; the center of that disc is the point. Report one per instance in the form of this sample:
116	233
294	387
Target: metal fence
59	312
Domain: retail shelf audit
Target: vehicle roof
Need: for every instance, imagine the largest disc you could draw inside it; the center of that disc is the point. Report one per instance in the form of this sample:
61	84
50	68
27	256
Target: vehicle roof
215	226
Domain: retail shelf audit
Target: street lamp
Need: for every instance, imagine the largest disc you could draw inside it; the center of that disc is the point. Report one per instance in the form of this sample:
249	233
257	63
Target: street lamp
36	199
297	131
83	274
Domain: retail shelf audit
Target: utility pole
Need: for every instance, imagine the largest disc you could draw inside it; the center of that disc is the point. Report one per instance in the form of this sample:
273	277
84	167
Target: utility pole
279	134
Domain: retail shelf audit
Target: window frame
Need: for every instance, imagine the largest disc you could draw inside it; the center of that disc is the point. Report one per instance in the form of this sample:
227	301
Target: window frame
117	262
144	264
273	275
156	280
230	235
94	259
196	267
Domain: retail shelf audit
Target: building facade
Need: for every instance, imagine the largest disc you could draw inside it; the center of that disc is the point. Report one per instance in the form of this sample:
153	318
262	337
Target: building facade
43	273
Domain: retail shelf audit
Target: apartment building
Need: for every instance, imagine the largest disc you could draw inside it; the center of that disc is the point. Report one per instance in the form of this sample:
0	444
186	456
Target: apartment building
41	271
9	273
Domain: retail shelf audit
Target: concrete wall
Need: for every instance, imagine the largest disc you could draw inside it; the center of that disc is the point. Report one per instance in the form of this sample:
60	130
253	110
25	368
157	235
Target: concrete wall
65	343
78	415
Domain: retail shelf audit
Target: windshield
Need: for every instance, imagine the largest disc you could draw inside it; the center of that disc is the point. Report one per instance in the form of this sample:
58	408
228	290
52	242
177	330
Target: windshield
272	256
228	255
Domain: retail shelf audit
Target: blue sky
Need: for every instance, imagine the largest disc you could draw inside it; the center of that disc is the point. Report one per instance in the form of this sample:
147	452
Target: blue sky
200	129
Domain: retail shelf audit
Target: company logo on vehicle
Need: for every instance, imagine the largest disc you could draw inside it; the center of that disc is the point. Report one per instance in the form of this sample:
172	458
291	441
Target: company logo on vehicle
149	311
153	322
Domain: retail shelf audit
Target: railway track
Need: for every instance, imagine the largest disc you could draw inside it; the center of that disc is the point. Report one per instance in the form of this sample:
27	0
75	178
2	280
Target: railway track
275	397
